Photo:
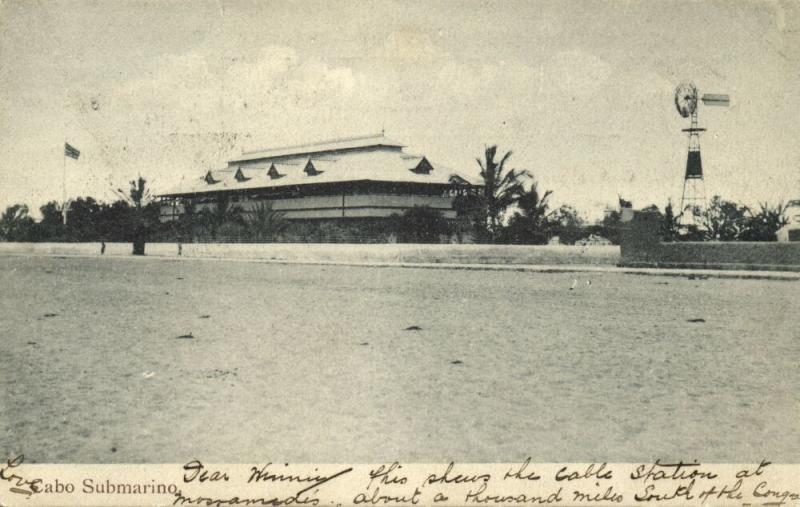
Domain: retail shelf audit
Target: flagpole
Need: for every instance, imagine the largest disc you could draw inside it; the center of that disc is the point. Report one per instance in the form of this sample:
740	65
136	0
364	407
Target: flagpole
64	184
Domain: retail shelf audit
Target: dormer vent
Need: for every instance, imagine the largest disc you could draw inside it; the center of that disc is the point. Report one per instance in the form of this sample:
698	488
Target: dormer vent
273	173
311	170
423	167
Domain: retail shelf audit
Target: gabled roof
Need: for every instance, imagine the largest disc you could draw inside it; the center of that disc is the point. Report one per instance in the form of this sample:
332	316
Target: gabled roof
334	145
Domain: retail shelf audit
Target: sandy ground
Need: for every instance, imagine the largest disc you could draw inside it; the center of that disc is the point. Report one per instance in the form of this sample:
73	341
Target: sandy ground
314	364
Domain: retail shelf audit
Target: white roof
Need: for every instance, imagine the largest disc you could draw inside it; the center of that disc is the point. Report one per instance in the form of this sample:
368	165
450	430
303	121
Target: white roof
384	164
349	143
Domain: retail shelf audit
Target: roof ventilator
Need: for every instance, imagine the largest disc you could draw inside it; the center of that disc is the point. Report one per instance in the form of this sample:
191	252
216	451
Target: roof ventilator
423	167
311	170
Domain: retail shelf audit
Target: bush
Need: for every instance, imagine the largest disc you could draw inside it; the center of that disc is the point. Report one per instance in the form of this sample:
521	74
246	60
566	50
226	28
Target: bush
421	224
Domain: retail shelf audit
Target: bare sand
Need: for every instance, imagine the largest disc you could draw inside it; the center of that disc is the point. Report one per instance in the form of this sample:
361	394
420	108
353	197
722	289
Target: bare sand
315	364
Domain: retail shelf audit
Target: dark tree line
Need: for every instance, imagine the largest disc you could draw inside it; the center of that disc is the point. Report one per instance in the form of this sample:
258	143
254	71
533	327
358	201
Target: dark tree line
132	218
88	220
509	208
726	221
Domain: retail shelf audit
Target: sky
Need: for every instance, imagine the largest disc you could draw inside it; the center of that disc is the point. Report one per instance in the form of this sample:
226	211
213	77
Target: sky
580	92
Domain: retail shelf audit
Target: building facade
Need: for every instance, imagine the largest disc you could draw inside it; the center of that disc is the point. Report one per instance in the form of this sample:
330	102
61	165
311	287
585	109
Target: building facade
368	177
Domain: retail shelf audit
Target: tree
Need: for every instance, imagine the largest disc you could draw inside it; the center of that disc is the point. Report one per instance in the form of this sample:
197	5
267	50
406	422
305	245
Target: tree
15	223
763	225
567	225
83	221
116	221
144	212
725	220
669	223
501	188
421	224
534	205
220	214
532	223
185	225
51	226
470	217
139	195
263	223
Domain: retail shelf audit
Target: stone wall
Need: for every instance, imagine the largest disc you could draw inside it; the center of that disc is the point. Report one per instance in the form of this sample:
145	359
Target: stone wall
640	246
346	253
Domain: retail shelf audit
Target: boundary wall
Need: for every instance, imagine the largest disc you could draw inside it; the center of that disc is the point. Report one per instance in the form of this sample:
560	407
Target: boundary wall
640	246
338	252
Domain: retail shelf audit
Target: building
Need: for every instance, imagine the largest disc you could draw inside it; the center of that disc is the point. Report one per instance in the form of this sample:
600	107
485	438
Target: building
359	178
791	231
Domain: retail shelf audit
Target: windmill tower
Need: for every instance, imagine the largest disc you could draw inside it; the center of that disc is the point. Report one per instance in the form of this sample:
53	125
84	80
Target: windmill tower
693	200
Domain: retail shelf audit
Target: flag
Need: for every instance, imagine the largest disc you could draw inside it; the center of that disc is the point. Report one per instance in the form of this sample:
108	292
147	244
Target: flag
70	151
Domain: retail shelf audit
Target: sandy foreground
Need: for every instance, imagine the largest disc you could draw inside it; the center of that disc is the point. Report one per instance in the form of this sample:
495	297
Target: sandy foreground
115	360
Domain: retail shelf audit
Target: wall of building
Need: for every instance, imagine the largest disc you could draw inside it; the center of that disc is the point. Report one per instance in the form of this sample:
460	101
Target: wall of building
334	206
640	246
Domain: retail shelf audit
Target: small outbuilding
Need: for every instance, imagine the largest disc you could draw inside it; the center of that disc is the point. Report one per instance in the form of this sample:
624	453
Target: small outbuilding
791	231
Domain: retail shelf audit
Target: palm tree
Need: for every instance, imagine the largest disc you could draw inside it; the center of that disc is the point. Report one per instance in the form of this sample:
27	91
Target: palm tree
263	223
140	199
139	193
533	223
221	213
187	220
501	189
534	206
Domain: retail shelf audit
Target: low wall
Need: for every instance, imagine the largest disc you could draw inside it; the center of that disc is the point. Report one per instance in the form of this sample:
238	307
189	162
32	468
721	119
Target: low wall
295	252
641	247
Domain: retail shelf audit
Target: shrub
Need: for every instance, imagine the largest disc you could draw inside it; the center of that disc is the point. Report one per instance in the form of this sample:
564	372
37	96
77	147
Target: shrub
421	224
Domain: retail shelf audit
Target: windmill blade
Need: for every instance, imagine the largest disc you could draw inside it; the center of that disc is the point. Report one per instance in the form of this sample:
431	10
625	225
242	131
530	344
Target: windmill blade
716	99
